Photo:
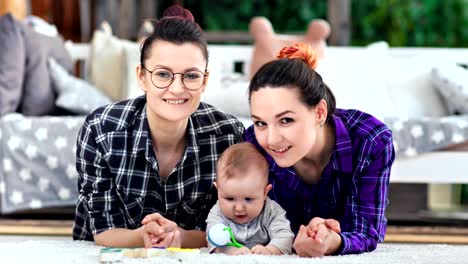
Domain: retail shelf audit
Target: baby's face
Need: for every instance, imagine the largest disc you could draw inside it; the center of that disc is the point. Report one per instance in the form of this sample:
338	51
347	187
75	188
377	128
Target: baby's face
241	199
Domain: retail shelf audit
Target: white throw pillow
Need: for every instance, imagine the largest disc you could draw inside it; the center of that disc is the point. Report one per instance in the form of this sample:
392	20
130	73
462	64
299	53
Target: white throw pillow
452	83
410	87
74	94
130	89
107	64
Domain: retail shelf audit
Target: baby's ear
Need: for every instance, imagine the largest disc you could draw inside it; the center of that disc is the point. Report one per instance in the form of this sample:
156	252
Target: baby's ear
267	189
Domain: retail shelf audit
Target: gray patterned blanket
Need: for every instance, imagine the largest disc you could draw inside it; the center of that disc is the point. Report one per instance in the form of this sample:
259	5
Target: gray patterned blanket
37	155
415	136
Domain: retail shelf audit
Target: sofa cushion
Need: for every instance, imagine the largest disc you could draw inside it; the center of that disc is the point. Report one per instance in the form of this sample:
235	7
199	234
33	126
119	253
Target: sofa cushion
452	83
38	94
54	47
107	64
357	80
131	58
410	87
12	57
74	94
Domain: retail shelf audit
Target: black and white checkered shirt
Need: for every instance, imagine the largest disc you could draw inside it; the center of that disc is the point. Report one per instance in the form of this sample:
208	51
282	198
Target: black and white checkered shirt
119	182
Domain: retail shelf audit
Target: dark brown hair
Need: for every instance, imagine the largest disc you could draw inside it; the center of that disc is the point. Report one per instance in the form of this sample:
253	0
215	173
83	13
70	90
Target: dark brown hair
177	26
295	70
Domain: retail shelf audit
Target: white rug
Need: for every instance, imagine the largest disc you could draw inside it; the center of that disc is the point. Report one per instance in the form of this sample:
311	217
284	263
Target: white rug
59	251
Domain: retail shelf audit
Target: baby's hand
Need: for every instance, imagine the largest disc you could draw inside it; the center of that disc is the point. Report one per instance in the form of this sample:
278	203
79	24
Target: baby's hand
261	250
265	250
233	251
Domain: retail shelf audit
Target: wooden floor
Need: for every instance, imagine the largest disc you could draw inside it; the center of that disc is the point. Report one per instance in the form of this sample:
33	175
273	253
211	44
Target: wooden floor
400	234
427	234
36	227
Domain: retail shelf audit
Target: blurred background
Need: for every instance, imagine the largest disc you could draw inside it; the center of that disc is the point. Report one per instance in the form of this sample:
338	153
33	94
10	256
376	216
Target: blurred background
416	23
400	23
424	23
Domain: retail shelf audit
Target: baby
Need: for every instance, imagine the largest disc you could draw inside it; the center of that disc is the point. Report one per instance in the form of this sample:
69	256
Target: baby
257	222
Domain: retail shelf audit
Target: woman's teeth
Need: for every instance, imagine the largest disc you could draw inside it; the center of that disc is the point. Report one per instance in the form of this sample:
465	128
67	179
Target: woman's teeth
175	101
280	150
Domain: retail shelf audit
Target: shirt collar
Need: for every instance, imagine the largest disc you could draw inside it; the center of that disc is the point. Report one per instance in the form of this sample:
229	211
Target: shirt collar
342	153
144	143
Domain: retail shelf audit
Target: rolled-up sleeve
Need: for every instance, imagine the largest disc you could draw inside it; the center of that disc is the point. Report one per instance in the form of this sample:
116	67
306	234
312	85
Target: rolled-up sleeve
97	192
364	223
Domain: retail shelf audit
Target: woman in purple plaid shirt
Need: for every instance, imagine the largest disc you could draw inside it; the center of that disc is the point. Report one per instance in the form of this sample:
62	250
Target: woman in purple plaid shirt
329	167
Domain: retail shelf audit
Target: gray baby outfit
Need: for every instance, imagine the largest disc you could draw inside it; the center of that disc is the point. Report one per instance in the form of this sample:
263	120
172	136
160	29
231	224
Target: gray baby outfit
271	227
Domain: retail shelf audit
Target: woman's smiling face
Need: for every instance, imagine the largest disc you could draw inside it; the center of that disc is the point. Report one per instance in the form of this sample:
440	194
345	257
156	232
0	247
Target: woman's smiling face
175	102
284	126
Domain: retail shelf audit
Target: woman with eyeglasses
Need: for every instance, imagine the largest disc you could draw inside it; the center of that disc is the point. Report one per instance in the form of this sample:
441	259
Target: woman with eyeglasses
146	166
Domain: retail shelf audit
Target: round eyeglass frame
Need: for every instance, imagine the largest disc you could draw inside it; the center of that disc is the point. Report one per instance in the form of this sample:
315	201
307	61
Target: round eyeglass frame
205	74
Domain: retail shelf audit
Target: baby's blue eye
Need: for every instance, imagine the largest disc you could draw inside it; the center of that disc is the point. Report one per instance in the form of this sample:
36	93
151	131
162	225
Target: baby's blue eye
248	199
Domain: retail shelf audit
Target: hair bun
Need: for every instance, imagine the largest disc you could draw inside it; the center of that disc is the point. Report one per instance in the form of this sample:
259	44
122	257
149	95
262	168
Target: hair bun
178	11
300	51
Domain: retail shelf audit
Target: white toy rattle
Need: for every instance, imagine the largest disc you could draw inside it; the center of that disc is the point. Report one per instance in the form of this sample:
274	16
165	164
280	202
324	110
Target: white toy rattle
220	235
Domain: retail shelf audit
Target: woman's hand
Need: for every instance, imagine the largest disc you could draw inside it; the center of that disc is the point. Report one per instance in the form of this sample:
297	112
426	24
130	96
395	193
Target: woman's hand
323	242
329	223
158	231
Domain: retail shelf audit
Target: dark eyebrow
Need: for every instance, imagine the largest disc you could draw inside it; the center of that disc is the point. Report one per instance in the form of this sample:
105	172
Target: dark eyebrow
169	68
277	115
283	113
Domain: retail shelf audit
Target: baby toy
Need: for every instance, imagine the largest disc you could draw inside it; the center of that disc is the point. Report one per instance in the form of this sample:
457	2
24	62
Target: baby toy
116	255
221	235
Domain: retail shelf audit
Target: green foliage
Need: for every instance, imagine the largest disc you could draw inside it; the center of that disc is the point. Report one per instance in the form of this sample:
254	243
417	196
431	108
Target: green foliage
285	15
411	23
400	22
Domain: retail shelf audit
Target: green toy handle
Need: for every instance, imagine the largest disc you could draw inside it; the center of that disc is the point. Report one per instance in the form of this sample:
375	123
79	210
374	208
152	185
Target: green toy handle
233	242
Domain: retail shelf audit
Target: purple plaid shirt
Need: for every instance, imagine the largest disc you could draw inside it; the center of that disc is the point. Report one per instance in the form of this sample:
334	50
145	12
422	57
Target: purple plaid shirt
353	187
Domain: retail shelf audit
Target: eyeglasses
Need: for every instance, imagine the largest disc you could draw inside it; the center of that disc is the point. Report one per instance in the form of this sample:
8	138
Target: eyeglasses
163	78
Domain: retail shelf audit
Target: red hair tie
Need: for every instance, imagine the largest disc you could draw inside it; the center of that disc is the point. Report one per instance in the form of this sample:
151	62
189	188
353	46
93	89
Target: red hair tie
300	51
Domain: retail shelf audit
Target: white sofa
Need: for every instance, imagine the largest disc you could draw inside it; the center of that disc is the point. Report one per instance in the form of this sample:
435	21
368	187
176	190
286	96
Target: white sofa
386	82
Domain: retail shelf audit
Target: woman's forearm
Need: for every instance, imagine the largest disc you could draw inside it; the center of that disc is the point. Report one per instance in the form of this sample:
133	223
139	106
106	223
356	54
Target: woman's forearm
193	239
120	237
